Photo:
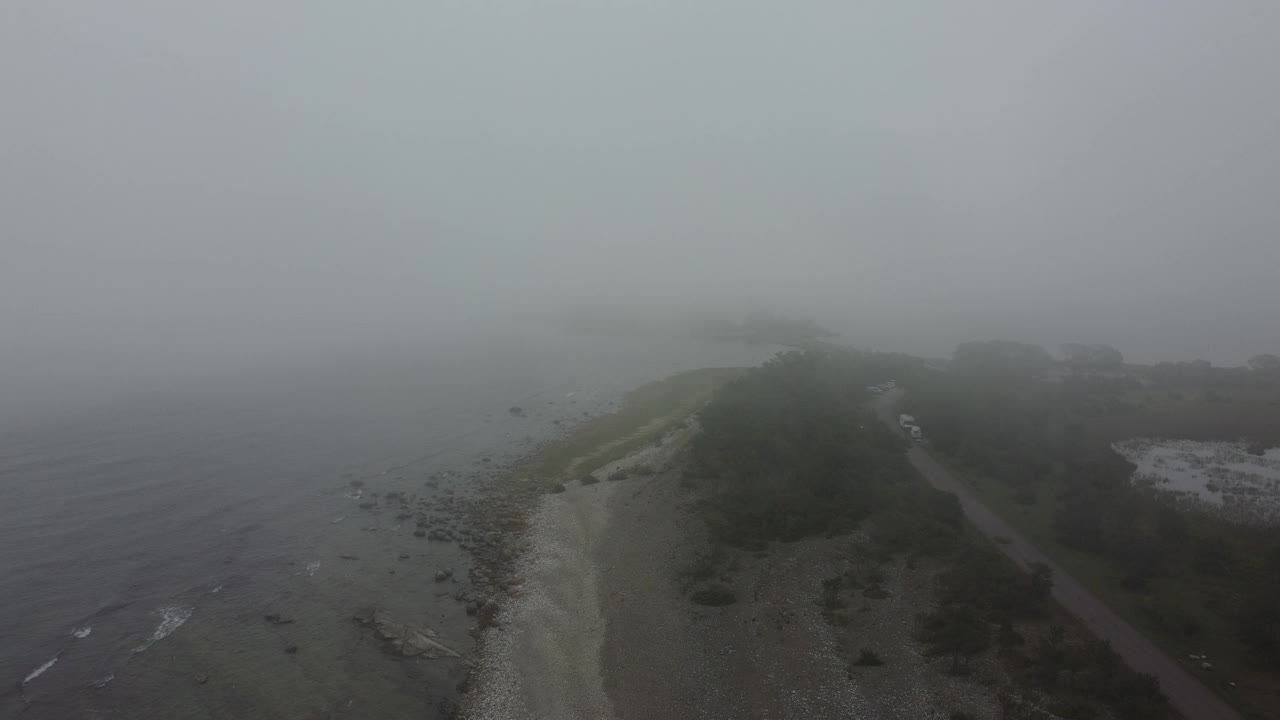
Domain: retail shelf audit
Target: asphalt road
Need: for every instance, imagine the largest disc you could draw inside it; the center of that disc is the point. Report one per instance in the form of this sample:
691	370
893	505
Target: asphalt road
1185	692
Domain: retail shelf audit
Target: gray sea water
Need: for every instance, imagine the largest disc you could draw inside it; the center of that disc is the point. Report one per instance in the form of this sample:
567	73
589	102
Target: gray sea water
142	544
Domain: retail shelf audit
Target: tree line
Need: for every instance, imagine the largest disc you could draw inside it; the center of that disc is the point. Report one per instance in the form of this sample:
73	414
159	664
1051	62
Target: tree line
1038	440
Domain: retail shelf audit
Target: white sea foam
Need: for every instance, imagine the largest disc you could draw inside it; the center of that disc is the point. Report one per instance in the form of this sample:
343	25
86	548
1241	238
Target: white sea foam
312	567
39	671
171	618
338	519
216	590
82	632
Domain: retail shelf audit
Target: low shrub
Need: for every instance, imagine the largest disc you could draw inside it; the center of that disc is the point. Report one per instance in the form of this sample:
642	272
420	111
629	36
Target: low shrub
837	619
868	658
714	596
830	597
705	566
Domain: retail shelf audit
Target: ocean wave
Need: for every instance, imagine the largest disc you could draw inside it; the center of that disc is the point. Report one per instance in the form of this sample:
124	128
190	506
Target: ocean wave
171	618
216	590
82	632
39	671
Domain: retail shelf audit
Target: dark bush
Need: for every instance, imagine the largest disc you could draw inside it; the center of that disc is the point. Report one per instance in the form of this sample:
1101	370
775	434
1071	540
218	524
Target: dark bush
830	598
868	658
714	596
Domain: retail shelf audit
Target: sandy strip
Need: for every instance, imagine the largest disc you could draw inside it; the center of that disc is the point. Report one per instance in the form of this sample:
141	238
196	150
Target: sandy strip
542	656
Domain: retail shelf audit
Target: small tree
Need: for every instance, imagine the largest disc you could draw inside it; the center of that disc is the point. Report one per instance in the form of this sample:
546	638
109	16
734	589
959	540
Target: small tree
1041	582
831	588
956	631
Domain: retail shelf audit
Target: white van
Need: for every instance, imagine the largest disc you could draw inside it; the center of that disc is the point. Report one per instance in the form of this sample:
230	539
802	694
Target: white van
905	421
916	433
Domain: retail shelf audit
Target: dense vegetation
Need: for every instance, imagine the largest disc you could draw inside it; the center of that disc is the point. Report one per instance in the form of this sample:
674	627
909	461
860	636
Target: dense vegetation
1046	447
795	452
792	450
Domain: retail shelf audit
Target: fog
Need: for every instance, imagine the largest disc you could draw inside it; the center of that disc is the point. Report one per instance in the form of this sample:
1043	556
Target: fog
188	187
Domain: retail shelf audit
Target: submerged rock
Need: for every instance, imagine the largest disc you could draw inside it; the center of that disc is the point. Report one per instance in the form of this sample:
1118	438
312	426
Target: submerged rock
403	638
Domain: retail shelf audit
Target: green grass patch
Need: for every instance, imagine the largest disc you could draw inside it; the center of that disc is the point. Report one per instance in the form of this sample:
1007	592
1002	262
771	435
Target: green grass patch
644	416
837	619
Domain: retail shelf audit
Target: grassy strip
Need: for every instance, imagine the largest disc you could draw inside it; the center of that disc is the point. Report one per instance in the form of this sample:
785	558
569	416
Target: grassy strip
645	415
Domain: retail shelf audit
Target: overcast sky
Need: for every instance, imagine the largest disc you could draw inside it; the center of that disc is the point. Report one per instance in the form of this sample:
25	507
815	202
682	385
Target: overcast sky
190	182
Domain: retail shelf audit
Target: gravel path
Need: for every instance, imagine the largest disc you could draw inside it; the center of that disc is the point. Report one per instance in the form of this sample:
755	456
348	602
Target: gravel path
542	656
1185	692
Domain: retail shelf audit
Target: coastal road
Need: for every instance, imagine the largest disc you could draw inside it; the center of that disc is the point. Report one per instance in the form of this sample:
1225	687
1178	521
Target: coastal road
1185	692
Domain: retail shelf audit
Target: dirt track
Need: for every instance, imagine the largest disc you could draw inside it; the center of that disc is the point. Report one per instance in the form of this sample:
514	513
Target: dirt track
1186	693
